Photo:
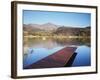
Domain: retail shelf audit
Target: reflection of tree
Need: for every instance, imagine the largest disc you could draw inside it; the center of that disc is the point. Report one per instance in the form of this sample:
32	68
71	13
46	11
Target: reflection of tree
52	42
85	41
72	41
39	42
75	41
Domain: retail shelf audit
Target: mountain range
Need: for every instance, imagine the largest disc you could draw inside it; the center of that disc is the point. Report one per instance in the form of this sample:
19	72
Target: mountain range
42	27
57	29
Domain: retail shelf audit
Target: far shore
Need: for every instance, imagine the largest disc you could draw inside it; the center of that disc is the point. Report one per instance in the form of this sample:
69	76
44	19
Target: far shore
31	36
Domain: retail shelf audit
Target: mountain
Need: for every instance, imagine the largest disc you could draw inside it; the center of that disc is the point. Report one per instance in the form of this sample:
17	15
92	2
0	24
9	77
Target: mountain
37	27
31	27
49	27
56	29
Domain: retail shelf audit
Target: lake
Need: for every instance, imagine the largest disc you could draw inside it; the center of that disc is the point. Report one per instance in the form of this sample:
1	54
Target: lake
36	49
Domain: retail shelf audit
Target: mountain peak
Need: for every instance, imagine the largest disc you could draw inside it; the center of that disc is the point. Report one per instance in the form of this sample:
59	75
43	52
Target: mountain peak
49	24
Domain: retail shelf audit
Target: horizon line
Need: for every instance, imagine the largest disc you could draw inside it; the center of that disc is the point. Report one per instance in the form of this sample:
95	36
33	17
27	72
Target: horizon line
58	25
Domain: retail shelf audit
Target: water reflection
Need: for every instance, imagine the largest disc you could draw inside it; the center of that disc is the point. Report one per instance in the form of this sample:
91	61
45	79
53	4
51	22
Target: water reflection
83	57
55	42
36	49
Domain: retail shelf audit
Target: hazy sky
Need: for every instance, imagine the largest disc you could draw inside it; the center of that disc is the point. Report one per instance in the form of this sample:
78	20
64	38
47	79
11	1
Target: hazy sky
58	18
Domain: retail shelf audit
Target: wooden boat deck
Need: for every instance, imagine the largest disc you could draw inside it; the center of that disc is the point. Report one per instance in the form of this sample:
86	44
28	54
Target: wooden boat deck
60	58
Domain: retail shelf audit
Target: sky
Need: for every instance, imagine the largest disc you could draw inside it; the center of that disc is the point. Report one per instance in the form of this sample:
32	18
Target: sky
71	19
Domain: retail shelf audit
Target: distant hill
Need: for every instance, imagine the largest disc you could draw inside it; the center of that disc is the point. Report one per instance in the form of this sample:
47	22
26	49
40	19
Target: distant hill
37	27
57	29
31	27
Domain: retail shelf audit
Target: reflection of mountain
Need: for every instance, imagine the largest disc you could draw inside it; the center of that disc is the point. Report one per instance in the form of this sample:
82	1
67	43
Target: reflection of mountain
37	42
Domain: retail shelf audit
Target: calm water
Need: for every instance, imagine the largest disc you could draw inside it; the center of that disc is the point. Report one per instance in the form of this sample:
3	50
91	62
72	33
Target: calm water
37	49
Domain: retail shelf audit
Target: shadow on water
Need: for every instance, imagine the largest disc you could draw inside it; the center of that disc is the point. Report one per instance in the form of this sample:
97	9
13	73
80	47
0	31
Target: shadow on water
70	62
